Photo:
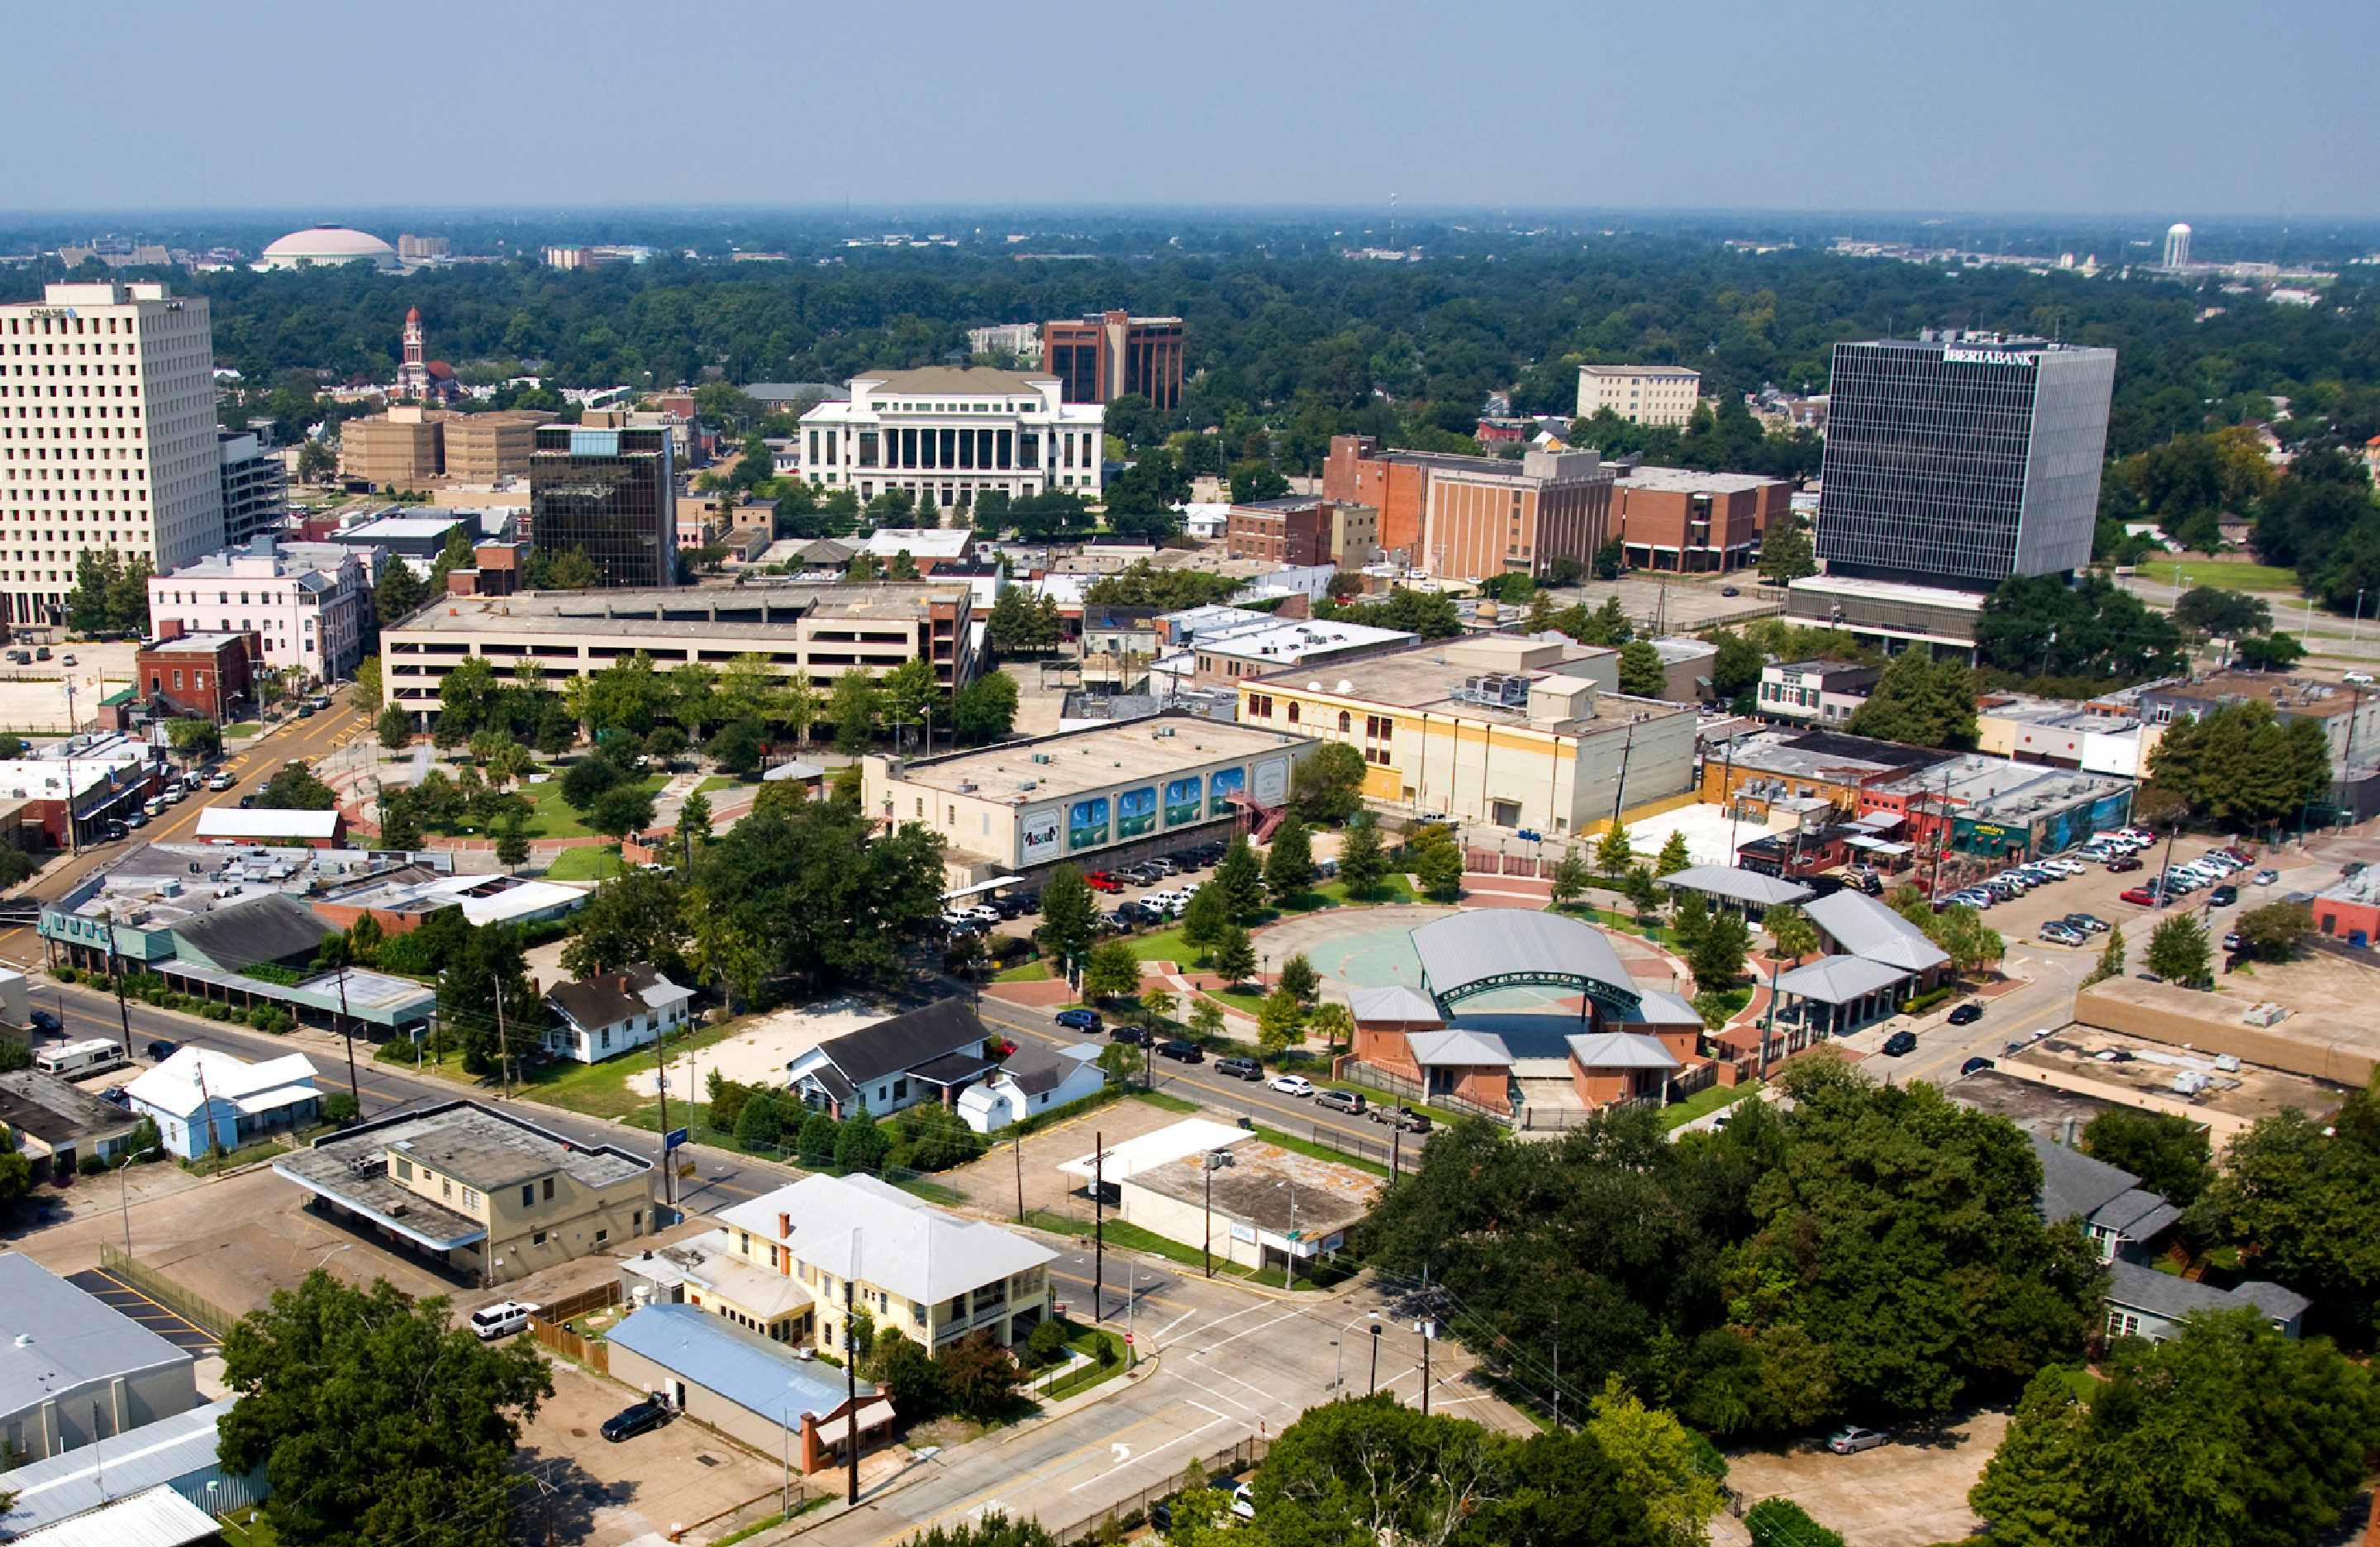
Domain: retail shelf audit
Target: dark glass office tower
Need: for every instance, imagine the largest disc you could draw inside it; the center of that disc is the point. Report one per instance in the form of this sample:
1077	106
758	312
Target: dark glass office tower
1958	460
613	493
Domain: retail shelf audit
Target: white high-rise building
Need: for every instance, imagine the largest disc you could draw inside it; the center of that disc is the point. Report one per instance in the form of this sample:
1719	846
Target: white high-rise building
107	438
1639	394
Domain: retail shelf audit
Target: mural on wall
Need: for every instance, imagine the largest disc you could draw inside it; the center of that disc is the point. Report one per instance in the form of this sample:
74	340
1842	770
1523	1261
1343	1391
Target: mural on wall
1221	785
1182	800
1136	811
1271	786
1036	836
1087	823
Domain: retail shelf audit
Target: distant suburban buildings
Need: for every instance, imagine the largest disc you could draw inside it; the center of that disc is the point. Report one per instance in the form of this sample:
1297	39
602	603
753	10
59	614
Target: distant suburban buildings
135	365
952	434
329	246
1520	733
476	1190
1109	354
1474	518
1639	394
1958	460
1021	339
612	495
812	633
309	603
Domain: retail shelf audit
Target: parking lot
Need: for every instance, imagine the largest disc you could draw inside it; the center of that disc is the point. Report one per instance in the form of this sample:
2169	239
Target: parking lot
1908	1493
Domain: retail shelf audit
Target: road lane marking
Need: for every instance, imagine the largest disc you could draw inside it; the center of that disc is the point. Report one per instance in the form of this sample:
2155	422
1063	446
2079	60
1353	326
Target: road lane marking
1171	1325
1248	1331
1147	1454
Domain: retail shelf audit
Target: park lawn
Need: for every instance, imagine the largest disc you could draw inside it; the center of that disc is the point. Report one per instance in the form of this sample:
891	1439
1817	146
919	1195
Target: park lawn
587	863
1709	1099
1166	945
1030	972
1250	1005
722	780
2230	576
602	1089
554	819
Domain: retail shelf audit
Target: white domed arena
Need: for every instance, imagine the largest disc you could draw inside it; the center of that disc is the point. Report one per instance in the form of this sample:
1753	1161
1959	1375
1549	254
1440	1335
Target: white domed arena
328	244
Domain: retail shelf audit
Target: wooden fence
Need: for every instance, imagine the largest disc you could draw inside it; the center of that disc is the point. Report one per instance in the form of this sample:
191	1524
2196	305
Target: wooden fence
547	1327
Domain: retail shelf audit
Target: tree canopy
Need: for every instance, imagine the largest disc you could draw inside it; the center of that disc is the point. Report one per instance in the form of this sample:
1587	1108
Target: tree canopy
376	1418
1920	701
2239	766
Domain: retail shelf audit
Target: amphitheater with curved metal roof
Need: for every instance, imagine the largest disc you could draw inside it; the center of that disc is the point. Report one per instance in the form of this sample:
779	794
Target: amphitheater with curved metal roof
1484	950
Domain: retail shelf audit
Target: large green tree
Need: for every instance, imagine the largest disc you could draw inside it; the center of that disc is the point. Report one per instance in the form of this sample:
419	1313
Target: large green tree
2168	1151
1289	862
1919	703
638	916
1327	784
2237	764
2296	1194
2228	1433
1239	880
819	892
376	1418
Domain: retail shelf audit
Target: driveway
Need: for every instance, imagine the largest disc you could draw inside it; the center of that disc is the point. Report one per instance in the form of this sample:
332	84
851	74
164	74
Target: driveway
1909	1494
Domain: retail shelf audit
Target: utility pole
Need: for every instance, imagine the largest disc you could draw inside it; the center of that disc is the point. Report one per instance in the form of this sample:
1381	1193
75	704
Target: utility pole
1209	1246
1375	1359
1099	1236
504	1049
851	1377
346	1028
1018	1150
669	1173
1427	1330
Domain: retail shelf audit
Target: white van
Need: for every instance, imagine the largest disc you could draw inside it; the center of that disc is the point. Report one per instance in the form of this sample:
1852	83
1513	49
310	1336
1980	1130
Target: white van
80	1058
2360	679
502	1319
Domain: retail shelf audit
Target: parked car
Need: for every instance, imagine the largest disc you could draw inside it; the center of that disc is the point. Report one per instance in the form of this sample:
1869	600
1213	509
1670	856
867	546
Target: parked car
1160	1517
1900	1043
1081	1020
1133	1034
1730	590
2231	940
502	1318
1162	865
1851	1437
1292	1085
2225	896
2088	922
1244	1501
1975	1065
116	1095
2124	862
2060	935
1967	1014
1100	881
2141	896
1182	1052
1238	1068
45	1021
1341	1101
2266	878
631	1421
159	1050
220	782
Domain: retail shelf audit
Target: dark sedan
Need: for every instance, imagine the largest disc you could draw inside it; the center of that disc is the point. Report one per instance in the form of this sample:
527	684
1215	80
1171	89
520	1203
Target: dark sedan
1187	1052
629	1422
1967	1014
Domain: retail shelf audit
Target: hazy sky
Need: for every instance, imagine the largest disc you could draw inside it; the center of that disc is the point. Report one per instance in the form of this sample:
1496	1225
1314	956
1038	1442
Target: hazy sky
2179	107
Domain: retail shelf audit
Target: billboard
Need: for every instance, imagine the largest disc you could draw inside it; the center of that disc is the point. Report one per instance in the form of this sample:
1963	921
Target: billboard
1182	800
1271	788
1136	811
1036	836
1087	823
1221	785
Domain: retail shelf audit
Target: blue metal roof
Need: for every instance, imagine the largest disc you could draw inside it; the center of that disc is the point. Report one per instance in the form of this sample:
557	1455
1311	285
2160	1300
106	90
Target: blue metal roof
747	1368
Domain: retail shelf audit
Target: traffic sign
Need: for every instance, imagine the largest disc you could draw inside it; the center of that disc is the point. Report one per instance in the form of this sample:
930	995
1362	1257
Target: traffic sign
675	1137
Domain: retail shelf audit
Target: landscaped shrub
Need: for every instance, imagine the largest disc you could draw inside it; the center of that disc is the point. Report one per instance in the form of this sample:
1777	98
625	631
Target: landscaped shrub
66	974
90	1166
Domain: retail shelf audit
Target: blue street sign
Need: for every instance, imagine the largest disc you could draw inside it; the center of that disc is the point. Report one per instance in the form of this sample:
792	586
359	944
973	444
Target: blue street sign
675	1137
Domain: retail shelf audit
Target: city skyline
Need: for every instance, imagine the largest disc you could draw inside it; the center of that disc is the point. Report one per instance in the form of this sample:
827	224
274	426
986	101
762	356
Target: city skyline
1852	106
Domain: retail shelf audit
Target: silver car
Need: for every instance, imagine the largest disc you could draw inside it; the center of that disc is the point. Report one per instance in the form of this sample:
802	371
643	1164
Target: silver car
1850	1438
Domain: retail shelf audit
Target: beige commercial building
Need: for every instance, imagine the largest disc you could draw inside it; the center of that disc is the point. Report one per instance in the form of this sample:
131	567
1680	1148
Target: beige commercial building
813	634
482	447
1639	394
1523	733
1094	798
480	1191
401	448
137	471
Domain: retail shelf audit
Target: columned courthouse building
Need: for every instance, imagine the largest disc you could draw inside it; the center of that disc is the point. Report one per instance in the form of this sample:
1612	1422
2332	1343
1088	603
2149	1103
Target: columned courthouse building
1958	460
954	433
107	438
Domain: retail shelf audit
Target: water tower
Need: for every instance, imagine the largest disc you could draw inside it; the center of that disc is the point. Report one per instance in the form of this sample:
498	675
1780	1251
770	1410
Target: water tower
2177	245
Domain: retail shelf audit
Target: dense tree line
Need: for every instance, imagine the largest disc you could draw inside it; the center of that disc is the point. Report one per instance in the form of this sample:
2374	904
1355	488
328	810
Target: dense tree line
1284	331
1873	1251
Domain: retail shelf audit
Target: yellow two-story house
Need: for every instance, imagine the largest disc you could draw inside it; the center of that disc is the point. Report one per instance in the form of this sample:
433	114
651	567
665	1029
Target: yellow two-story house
912	1269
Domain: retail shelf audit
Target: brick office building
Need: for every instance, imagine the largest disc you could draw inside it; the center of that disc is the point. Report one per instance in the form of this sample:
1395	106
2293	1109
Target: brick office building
1475	517
203	674
1676	518
1291	532
1101	358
